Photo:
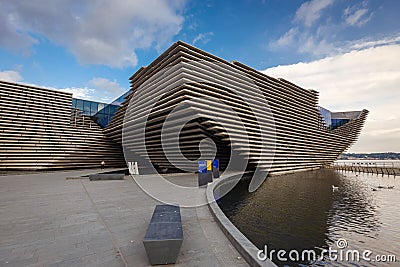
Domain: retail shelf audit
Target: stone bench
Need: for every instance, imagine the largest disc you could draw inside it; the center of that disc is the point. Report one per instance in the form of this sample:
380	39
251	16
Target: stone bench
164	235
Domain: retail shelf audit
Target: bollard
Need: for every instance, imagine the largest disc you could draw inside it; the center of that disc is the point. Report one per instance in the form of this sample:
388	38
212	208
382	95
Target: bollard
215	168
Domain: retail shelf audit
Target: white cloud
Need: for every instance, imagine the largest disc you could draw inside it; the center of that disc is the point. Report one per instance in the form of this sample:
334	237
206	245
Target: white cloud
311	11
304	36
10	76
77	92
368	79
305	41
316	45
109	89
203	37
99	89
362	44
357	16
95	31
318	33
10	37
288	38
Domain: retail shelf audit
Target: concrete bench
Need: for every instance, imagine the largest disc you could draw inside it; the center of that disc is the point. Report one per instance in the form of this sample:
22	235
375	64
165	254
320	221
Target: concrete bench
164	235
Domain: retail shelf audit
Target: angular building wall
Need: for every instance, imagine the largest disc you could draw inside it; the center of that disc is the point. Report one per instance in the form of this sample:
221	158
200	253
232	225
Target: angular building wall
39	130
280	131
187	105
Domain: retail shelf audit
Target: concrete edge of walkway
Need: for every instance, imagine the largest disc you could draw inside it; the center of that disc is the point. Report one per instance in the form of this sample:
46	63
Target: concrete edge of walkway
76	173
245	247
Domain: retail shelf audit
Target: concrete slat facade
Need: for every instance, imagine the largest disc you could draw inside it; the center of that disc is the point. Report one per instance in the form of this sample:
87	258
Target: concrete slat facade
265	123
38	132
298	140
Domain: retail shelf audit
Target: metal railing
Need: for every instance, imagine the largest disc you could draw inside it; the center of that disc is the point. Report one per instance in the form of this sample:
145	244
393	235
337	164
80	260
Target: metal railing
380	167
381	163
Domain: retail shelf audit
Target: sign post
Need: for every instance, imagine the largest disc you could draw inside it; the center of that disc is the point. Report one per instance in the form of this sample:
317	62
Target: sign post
204	175
133	168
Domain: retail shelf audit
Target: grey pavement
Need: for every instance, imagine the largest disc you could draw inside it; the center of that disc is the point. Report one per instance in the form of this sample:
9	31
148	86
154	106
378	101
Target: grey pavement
54	219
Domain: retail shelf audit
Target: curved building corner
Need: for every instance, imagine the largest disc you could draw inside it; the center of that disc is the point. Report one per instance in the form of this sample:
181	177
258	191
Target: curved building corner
305	136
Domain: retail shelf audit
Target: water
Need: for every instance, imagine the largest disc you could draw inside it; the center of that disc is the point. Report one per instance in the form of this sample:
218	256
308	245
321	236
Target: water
302	211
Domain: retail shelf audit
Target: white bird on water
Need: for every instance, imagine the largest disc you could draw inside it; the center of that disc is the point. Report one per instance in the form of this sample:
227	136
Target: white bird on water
334	188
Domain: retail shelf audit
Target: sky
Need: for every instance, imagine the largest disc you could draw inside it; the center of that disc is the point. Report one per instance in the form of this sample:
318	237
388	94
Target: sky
346	50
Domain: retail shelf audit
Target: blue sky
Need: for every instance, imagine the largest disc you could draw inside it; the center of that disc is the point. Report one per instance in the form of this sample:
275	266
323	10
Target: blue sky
92	47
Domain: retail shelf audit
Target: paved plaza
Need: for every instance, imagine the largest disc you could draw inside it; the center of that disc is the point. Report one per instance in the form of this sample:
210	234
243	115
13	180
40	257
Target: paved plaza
61	219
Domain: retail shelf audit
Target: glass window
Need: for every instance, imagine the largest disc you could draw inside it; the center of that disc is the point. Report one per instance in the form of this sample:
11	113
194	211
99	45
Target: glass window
102	120
93	108
99	117
73	102
105	123
338	122
326	115
113	109
86	107
100	107
107	110
79	104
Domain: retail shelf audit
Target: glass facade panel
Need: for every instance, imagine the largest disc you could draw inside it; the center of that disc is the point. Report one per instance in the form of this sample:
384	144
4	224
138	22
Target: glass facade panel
338	122
79	104
120	100
332	123
86	107
326	115
100	113
93	108
100	107
102	120
107	109
113	109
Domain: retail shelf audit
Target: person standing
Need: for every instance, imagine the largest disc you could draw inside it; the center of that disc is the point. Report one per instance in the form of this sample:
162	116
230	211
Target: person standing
102	164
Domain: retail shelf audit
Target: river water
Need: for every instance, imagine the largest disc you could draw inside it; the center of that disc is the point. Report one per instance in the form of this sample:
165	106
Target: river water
302	212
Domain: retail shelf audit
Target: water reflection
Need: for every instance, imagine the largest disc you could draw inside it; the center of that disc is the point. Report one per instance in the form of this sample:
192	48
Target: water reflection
301	211
354	208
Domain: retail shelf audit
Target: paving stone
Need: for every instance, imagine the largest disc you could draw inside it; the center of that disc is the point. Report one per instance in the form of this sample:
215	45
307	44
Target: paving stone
47	220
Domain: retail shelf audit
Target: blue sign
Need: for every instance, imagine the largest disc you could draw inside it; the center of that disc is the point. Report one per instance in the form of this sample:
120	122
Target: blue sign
215	164
202	168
